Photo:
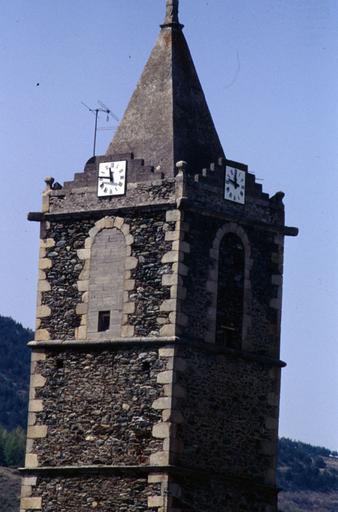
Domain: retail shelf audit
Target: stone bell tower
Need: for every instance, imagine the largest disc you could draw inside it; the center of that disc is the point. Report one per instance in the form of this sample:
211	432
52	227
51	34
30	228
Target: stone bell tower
155	366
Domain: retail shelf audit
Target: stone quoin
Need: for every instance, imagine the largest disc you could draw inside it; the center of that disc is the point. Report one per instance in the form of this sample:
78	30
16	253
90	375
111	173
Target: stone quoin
155	374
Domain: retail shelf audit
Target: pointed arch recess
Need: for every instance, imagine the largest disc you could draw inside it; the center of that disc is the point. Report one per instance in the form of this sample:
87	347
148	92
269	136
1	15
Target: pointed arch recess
212	284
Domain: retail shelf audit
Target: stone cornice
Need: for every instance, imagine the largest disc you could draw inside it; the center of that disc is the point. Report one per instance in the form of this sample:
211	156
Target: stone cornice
184	205
117	342
182	471
97	214
188	205
127	343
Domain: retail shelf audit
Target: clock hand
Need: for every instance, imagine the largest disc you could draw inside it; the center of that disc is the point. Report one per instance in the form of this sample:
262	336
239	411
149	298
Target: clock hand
236	182
233	182
111	176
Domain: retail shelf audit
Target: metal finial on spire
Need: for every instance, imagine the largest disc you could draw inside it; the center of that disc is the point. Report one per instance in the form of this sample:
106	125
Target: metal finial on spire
171	15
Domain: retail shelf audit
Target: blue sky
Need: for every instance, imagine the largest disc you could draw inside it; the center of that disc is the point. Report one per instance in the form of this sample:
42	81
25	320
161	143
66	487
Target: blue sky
269	72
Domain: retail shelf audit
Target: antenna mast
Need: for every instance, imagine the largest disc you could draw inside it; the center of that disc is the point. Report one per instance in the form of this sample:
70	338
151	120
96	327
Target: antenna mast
103	108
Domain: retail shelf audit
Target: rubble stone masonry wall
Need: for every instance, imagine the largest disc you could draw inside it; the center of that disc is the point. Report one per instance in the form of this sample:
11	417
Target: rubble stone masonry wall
209	494
96	407
230	415
75	494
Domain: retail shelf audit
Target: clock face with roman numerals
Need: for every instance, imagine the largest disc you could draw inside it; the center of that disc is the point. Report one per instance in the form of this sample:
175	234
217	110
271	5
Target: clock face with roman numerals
234	189
112	179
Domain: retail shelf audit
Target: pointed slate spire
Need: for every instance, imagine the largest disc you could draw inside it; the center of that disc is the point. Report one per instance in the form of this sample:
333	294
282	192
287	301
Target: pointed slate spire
167	119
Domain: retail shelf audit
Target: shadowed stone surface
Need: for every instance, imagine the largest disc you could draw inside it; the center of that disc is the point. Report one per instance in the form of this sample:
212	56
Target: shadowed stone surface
242	430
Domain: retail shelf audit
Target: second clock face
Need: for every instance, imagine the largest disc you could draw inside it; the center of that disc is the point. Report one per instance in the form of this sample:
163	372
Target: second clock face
234	185
112	179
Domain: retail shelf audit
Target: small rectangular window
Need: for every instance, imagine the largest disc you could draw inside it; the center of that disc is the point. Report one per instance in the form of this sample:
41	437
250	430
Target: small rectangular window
104	321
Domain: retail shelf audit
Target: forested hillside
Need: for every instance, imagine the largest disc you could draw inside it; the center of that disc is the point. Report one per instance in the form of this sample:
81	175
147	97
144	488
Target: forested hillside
308	477
14	373
305	467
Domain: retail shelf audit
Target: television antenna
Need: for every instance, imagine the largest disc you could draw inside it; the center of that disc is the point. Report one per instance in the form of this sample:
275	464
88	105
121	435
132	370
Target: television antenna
96	111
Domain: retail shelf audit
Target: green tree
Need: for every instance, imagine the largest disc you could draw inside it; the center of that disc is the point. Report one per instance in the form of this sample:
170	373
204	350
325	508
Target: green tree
14	447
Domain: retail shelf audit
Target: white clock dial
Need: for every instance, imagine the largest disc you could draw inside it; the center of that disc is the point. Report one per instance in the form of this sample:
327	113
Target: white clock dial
234	189
112	179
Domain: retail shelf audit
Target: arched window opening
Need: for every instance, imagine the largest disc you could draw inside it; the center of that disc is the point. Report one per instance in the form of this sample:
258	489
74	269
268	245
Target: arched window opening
230	292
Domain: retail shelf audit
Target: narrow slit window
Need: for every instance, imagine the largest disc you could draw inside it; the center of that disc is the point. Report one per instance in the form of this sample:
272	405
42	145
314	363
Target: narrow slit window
103	321
230	294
